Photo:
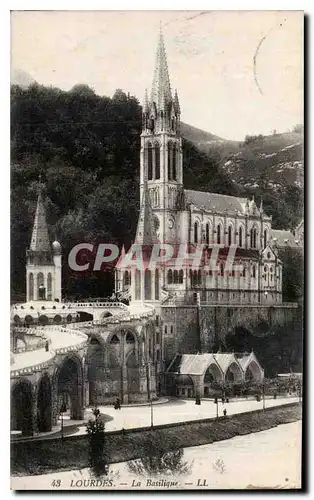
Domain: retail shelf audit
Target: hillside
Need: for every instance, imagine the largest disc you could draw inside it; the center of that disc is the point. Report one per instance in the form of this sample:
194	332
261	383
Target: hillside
86	149
21	78
273	162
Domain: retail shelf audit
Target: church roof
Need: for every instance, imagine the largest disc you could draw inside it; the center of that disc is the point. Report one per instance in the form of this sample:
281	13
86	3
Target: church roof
195	364
161	90
225	359
40	238
215	202
282	238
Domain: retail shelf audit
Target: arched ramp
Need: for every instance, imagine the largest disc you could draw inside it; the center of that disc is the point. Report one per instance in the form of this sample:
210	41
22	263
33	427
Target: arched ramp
22	407
69	381
44	404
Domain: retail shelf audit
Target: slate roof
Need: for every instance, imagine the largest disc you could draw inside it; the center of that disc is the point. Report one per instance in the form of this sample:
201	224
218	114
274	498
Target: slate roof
282	238
195	364
215	202
225	359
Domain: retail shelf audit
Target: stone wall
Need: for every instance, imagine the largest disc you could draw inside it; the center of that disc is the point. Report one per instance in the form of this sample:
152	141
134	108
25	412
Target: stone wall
187	330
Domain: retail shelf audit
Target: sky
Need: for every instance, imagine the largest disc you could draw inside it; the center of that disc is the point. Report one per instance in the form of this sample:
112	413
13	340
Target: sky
237	72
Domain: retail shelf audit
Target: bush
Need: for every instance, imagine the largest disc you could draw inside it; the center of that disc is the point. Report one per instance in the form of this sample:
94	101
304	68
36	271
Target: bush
96	434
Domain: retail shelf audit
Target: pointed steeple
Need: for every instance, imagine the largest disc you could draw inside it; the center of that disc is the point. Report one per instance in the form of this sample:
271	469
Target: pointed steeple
40	238
161	90
145	233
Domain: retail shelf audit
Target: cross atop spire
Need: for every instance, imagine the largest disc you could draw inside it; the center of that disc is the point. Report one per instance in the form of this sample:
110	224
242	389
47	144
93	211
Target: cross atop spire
161	90
40	239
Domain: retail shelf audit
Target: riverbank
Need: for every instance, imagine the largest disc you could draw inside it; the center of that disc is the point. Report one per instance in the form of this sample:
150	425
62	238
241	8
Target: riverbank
54	455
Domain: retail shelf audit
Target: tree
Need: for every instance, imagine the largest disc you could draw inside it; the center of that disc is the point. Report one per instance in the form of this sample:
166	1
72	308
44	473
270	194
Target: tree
96	436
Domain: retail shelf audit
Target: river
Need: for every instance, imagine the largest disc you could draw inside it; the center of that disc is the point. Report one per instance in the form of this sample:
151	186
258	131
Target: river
268	459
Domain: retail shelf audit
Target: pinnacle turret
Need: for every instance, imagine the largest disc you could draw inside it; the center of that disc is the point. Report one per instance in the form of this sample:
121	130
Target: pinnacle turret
176	102
145	102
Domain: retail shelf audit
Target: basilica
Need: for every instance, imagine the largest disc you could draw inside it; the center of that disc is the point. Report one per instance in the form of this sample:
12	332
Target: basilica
215	223
171	338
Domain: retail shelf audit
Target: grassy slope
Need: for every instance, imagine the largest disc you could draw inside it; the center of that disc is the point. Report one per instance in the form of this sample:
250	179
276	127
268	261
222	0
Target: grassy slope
51	456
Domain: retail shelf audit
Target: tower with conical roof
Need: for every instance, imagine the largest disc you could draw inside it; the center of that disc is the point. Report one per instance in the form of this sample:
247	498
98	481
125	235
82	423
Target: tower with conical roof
161	151
43	267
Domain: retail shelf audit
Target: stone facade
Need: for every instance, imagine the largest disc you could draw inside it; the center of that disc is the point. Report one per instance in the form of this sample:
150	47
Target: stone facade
215	225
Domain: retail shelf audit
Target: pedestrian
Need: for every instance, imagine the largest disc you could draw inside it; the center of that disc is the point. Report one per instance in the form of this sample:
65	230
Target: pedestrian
47	346
216	401
227	400
225	412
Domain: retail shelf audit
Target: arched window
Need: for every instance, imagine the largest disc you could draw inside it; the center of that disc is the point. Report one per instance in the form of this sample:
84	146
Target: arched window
254	272
114	339
207	233
157	161
265	238
218	234
40	286
137	285
148	284
229	236
49	286
174	162
181	276
169	161
156	284
31	286
240	236
130	338
199	277
127	278
169	277
221	269
253	238
149	162
175	276
195	232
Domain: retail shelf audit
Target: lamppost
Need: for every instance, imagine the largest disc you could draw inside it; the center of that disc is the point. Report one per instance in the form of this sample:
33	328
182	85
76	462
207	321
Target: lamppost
217	402
63	409
151	413
263	389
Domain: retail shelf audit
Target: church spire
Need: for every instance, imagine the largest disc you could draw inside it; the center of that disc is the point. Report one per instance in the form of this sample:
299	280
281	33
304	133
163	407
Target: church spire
40	239
145	233
161	90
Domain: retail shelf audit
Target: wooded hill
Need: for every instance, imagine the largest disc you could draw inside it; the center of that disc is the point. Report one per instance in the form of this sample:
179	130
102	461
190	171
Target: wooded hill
86	148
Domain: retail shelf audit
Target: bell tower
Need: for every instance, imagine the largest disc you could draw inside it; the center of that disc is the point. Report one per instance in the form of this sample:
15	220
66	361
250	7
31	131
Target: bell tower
161	151
43	267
